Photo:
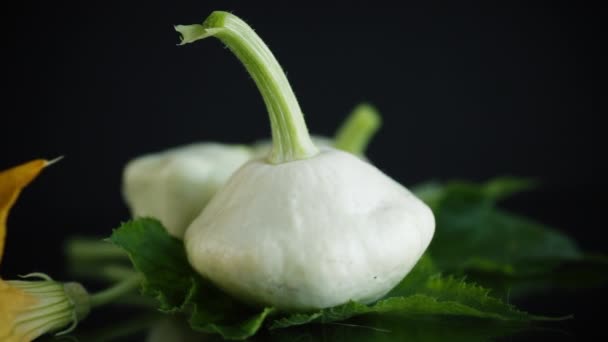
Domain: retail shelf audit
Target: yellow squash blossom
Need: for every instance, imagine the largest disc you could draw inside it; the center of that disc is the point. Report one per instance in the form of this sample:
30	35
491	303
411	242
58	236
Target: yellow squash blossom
29	309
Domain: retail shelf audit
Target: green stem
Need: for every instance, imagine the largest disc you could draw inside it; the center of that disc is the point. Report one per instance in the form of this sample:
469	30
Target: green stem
92	249
116	291
108	272
290	137
356	132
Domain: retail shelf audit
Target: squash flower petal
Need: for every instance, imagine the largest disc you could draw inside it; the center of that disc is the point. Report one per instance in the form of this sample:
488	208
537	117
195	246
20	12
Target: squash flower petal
12	181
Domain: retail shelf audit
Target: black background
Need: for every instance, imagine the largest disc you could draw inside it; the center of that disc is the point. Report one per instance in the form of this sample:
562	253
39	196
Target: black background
466	91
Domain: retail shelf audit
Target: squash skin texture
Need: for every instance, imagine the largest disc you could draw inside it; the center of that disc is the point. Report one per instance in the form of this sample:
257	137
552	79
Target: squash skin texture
309	234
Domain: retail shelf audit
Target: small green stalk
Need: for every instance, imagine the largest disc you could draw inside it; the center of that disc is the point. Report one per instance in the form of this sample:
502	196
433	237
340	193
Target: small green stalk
120	289
78	249
356	132
290	138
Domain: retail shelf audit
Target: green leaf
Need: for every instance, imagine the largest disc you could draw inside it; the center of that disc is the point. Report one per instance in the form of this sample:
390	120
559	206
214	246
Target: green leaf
160	258
433	193
589	272
500	241
244	328
395	328
474	234
509	253
414	305
423	292
170	279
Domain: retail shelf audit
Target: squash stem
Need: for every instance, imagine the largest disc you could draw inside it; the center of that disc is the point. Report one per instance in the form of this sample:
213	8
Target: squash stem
290	137
359	128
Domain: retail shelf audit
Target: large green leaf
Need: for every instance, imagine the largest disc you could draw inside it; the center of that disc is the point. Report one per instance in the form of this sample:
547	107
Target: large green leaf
169	278
474	234
509	253
361	329
589	272
160	258
423	292
398	328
